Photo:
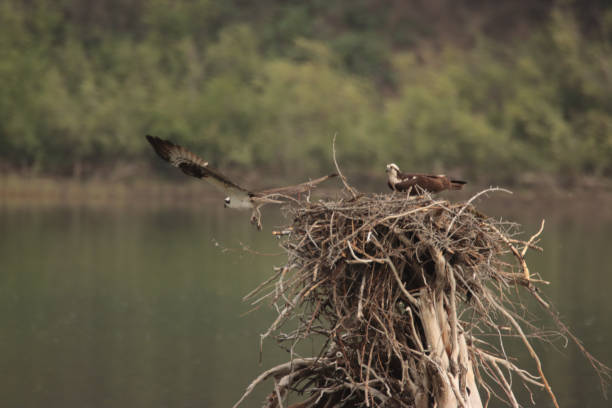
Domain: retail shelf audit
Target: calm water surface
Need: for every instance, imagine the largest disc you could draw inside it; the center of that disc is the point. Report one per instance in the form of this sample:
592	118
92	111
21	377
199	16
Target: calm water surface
133	307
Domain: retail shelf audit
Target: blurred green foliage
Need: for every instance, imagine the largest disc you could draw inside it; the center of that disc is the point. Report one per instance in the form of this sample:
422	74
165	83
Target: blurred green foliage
268	84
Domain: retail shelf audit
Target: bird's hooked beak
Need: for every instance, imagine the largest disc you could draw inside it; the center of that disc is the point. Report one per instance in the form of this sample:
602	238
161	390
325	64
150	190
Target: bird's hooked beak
226	202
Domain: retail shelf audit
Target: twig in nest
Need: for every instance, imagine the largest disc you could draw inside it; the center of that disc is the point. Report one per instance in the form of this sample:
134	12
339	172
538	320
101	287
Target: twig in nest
532	352
360	305
514	251
488	190
346	185
533	237
278	371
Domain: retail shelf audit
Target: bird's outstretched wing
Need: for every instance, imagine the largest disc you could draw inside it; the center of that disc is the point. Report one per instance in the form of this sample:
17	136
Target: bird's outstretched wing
192	165
295	189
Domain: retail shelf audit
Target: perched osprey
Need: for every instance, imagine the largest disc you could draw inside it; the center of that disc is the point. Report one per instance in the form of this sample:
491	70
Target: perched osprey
237	197
399	181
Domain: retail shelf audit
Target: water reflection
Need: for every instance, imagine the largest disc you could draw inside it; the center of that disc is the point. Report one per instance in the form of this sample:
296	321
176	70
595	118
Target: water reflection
127	308
136	307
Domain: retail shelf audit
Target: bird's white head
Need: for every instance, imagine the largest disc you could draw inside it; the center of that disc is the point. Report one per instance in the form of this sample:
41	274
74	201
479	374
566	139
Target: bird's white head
227	201
392	168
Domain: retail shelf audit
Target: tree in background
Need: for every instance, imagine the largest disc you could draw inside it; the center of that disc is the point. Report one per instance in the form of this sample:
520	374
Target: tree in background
511	86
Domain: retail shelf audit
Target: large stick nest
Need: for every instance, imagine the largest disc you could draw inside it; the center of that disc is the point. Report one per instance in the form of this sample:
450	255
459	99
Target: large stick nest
403	292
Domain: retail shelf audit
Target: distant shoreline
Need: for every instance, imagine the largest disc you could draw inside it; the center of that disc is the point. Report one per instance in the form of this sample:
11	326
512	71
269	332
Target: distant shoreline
528	205
32	190
37	189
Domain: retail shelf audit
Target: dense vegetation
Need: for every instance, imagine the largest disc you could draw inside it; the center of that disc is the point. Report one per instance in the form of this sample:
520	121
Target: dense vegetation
508	86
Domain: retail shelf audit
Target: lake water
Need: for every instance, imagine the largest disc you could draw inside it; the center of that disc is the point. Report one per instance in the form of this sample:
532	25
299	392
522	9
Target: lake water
140	306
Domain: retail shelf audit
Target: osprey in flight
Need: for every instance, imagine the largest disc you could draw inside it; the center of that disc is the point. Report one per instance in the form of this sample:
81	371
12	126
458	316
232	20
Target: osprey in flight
237	197
399	181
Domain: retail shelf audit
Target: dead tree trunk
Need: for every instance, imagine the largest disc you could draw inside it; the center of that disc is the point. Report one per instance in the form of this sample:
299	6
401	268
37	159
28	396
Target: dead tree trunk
450	376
